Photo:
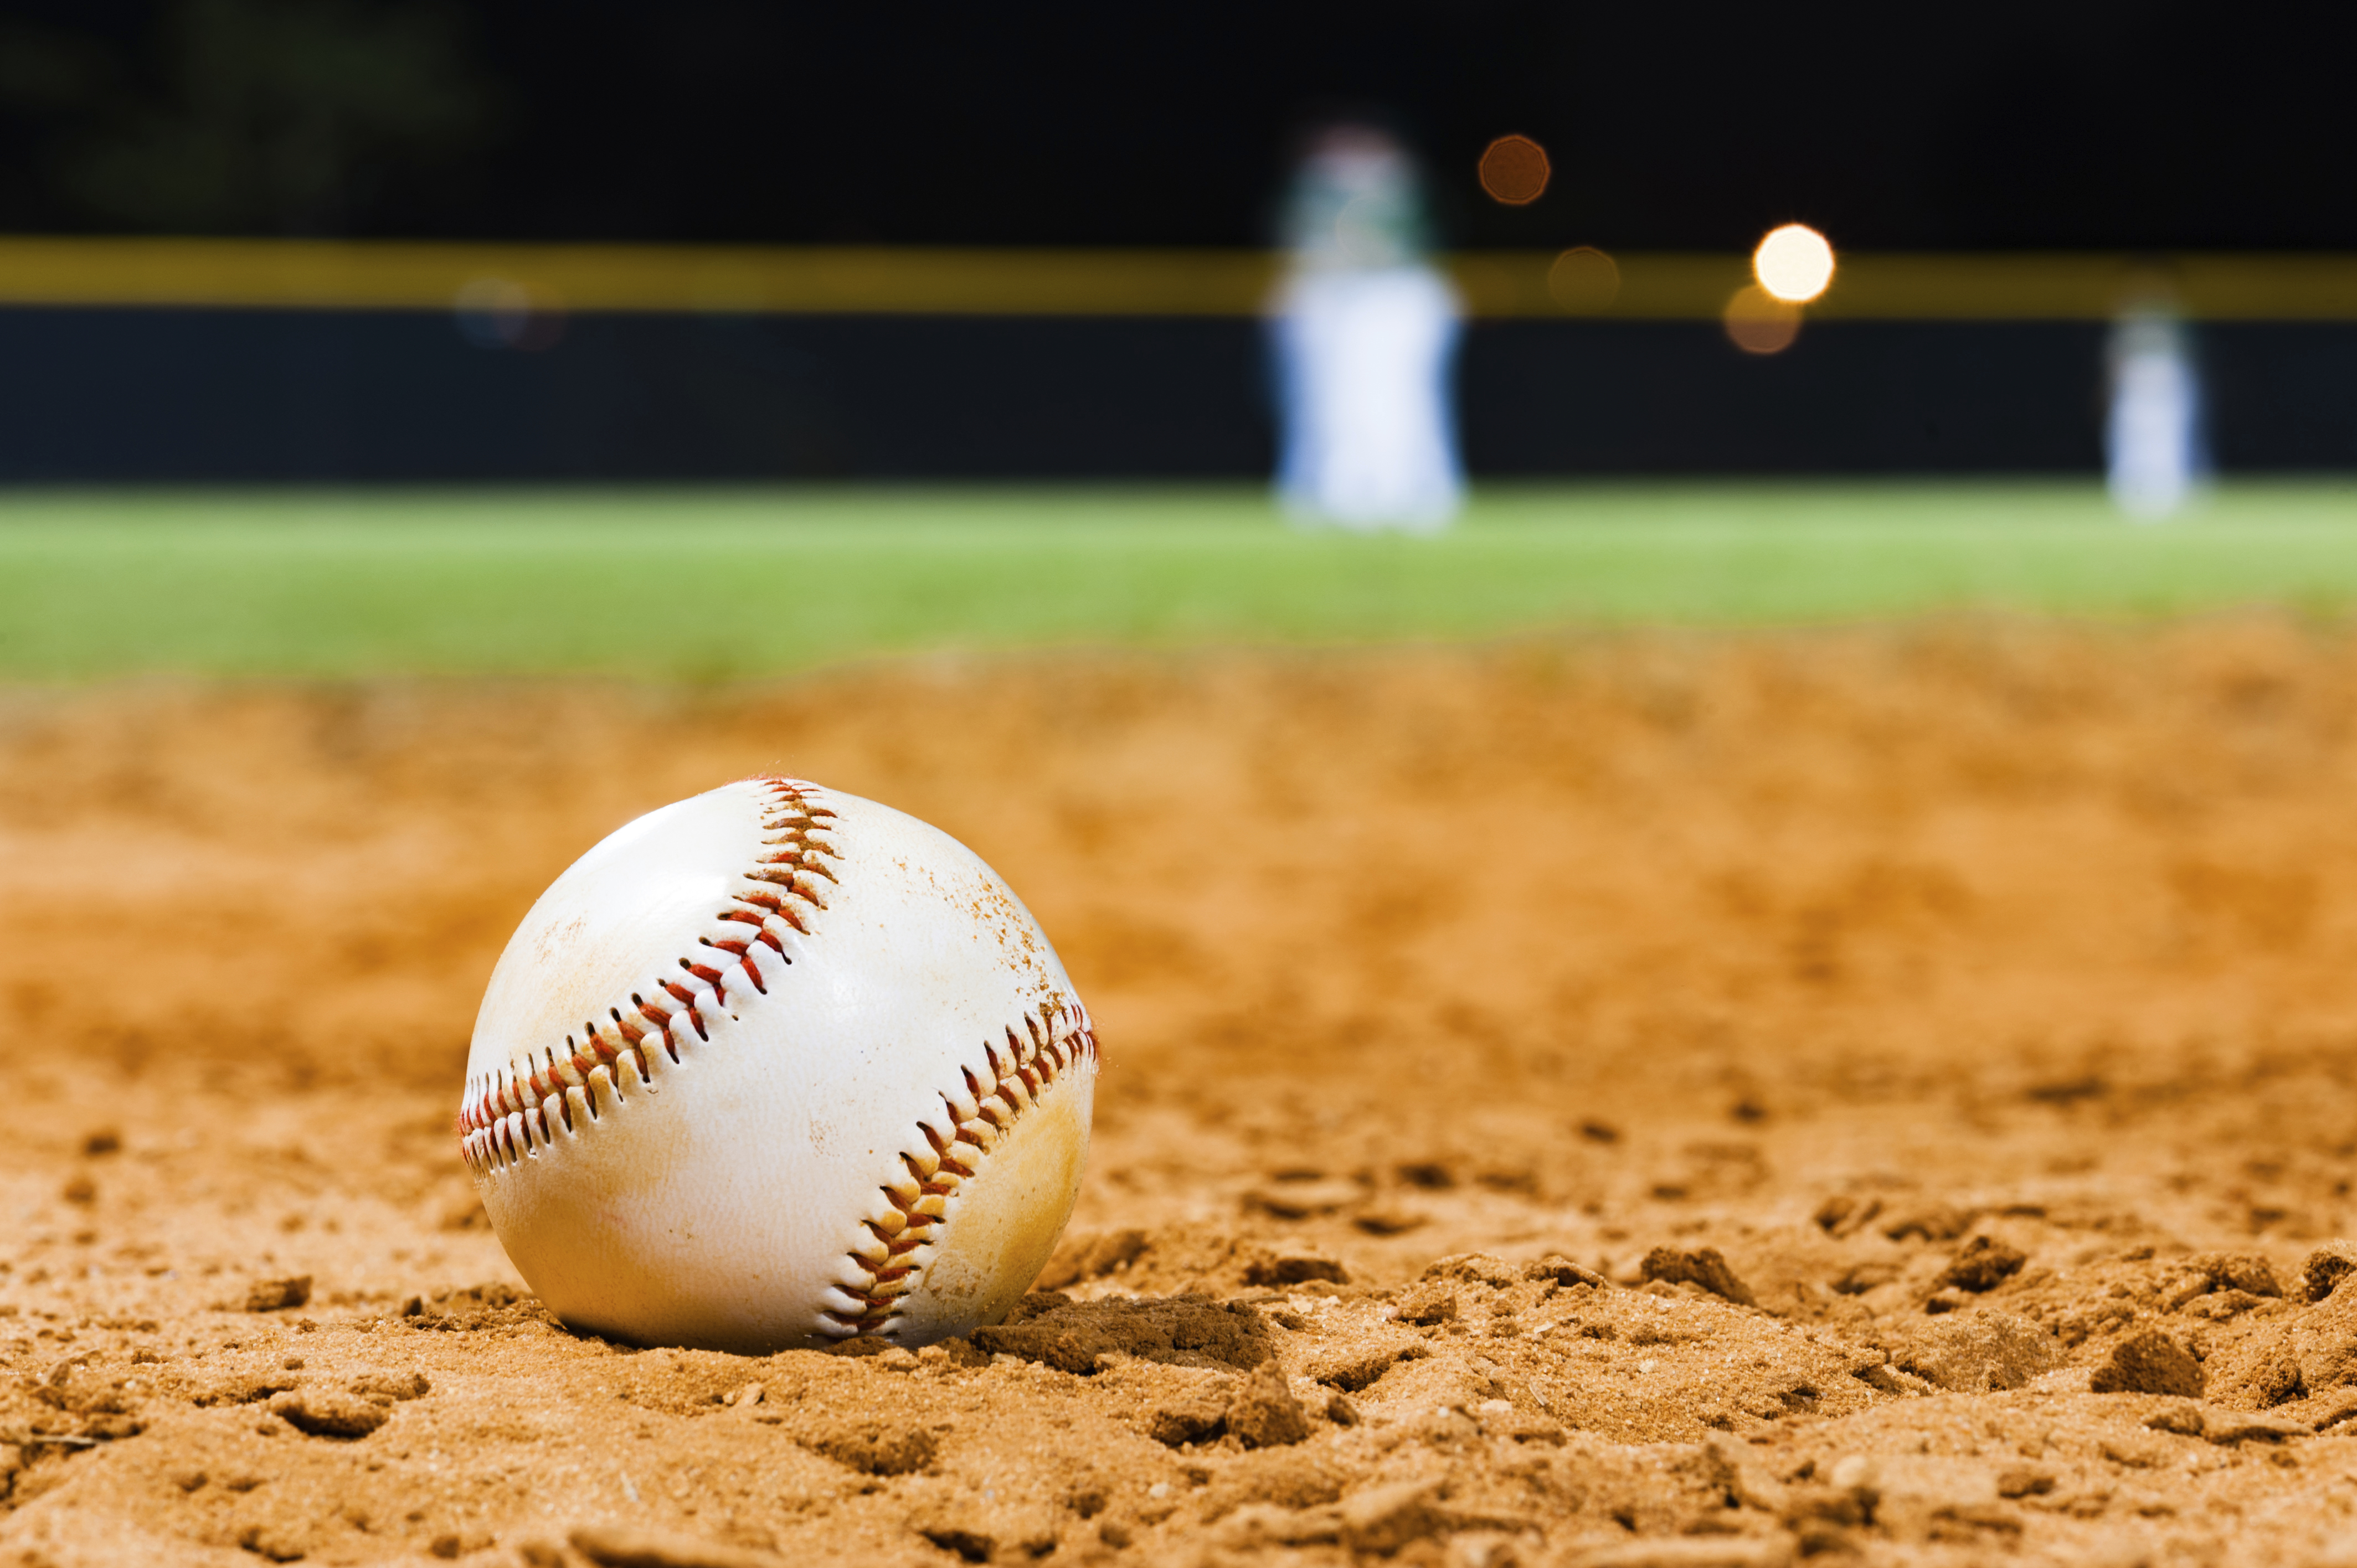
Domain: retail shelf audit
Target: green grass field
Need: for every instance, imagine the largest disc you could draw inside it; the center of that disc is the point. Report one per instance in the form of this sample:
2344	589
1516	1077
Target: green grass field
712	584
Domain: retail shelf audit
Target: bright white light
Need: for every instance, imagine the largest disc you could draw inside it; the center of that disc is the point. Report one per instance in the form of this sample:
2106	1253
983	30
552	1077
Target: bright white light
1794	263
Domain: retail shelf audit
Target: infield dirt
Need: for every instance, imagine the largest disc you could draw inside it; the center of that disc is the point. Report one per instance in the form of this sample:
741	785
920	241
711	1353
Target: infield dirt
1646	1101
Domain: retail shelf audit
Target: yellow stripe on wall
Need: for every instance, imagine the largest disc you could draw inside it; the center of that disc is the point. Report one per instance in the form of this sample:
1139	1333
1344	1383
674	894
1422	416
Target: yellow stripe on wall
304	274
1894	286
315	275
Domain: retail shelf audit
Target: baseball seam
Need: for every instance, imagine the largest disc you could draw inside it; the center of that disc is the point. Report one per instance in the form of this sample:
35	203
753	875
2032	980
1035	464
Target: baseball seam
512	1114
892	1255
506	1115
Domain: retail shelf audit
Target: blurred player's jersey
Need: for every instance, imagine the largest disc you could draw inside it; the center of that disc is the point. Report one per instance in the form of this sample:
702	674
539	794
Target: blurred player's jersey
1364	333
1365	361
2154	450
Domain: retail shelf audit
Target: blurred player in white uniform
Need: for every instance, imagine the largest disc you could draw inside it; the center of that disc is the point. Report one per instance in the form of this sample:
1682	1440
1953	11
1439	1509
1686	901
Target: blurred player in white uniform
1365	335
2153	444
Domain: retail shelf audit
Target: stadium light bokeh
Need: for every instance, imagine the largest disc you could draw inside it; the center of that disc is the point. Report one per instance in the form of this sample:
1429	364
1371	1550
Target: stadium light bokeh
1759	322
1793	263
1514	171
1584	279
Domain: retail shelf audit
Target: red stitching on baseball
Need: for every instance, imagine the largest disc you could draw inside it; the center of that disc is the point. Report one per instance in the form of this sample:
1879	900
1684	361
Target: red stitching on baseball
505	1117
920	1213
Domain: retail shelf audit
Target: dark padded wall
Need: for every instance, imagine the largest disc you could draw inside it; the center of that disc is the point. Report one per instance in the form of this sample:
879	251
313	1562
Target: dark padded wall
99	394
1548	397
111	395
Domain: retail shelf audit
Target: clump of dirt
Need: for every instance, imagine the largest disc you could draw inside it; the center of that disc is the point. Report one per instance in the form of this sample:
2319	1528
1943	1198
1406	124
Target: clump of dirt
1081	1337
2147	1363
1877	1096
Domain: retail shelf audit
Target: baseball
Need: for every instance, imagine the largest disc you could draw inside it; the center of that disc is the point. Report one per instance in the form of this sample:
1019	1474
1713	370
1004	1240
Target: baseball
775	1066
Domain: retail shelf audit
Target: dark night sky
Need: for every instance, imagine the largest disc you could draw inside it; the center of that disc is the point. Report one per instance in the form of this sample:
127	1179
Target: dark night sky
1995	126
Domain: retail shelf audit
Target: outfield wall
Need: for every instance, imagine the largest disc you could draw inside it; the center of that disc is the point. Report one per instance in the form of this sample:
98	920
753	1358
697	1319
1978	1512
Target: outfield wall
171	360
163	395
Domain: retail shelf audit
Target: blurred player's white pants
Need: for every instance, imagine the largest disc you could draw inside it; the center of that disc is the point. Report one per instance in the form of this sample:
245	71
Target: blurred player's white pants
1364	364
2153	439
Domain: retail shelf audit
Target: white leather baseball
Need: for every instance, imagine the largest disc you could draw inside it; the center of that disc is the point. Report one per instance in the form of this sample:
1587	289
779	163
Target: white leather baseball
774	1067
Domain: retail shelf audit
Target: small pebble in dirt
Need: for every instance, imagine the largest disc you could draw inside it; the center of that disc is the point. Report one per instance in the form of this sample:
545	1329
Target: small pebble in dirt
1473	1269
1427	1304
876	1447
1983	1264
321	1412
2149	1363
1389	1221
1294	1271
383	1386
1704	1266
2325	1268
2247	1273
1975	1352
1562	1271
2227	1427
1383	1518
624	1546
101	1141
279	1295
1844	1215
1264	1413
81	1189
2024	1481
1188	1417
1931	1221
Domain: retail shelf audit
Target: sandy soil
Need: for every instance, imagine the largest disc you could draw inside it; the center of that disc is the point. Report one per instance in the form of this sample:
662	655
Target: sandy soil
1658	1101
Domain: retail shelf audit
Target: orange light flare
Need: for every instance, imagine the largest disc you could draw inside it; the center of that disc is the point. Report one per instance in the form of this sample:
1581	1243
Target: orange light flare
1584	280
1759	323
1514	171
